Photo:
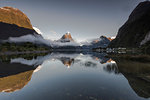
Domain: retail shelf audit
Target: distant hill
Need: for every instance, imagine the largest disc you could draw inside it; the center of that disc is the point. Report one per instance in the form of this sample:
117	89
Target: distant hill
136	29
101	42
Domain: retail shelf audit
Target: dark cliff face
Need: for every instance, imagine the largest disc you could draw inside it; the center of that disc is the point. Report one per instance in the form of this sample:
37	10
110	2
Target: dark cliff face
14	23
12	30
135	29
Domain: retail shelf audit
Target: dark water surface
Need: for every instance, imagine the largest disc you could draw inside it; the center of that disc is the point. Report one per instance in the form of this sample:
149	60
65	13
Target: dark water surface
62	76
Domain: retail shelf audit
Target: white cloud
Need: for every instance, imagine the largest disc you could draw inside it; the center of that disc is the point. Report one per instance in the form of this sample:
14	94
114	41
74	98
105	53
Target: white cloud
37	39
71	43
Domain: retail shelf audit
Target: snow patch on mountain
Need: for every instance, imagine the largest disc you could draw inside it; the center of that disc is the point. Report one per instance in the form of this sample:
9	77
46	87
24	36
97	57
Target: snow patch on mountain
37	30
113	37
146	39
37	69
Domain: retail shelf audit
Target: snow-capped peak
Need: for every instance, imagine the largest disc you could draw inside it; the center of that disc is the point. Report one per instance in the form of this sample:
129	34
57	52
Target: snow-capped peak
37	30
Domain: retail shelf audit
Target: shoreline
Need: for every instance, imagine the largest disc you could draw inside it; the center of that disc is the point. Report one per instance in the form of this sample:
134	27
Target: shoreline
23	52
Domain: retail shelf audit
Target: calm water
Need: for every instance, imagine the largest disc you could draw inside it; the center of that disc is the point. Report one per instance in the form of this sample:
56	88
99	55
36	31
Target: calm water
60	76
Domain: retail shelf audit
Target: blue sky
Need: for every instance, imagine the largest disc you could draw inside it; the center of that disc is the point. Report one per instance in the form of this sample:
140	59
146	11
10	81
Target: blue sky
84	19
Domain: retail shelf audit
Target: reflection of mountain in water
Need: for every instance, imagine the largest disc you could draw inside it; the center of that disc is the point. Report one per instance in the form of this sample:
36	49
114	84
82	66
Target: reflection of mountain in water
141	87
137	74
7	69
67	61
111	68
101	57
15	74
12	83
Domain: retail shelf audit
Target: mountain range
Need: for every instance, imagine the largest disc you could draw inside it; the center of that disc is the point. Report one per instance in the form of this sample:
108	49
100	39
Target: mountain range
101	42
135	33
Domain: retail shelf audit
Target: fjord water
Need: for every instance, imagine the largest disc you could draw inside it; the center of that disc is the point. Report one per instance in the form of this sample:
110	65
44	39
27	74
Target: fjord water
77	76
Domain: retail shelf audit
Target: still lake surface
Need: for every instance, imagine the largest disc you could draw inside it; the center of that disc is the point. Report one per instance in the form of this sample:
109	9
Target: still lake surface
73	76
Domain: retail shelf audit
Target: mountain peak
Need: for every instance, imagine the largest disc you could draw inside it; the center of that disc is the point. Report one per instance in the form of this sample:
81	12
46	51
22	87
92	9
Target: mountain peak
109	38
67	36
12	15
67	61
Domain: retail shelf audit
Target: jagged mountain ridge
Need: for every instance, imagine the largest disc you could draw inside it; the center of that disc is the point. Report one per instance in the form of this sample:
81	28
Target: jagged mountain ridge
101	42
